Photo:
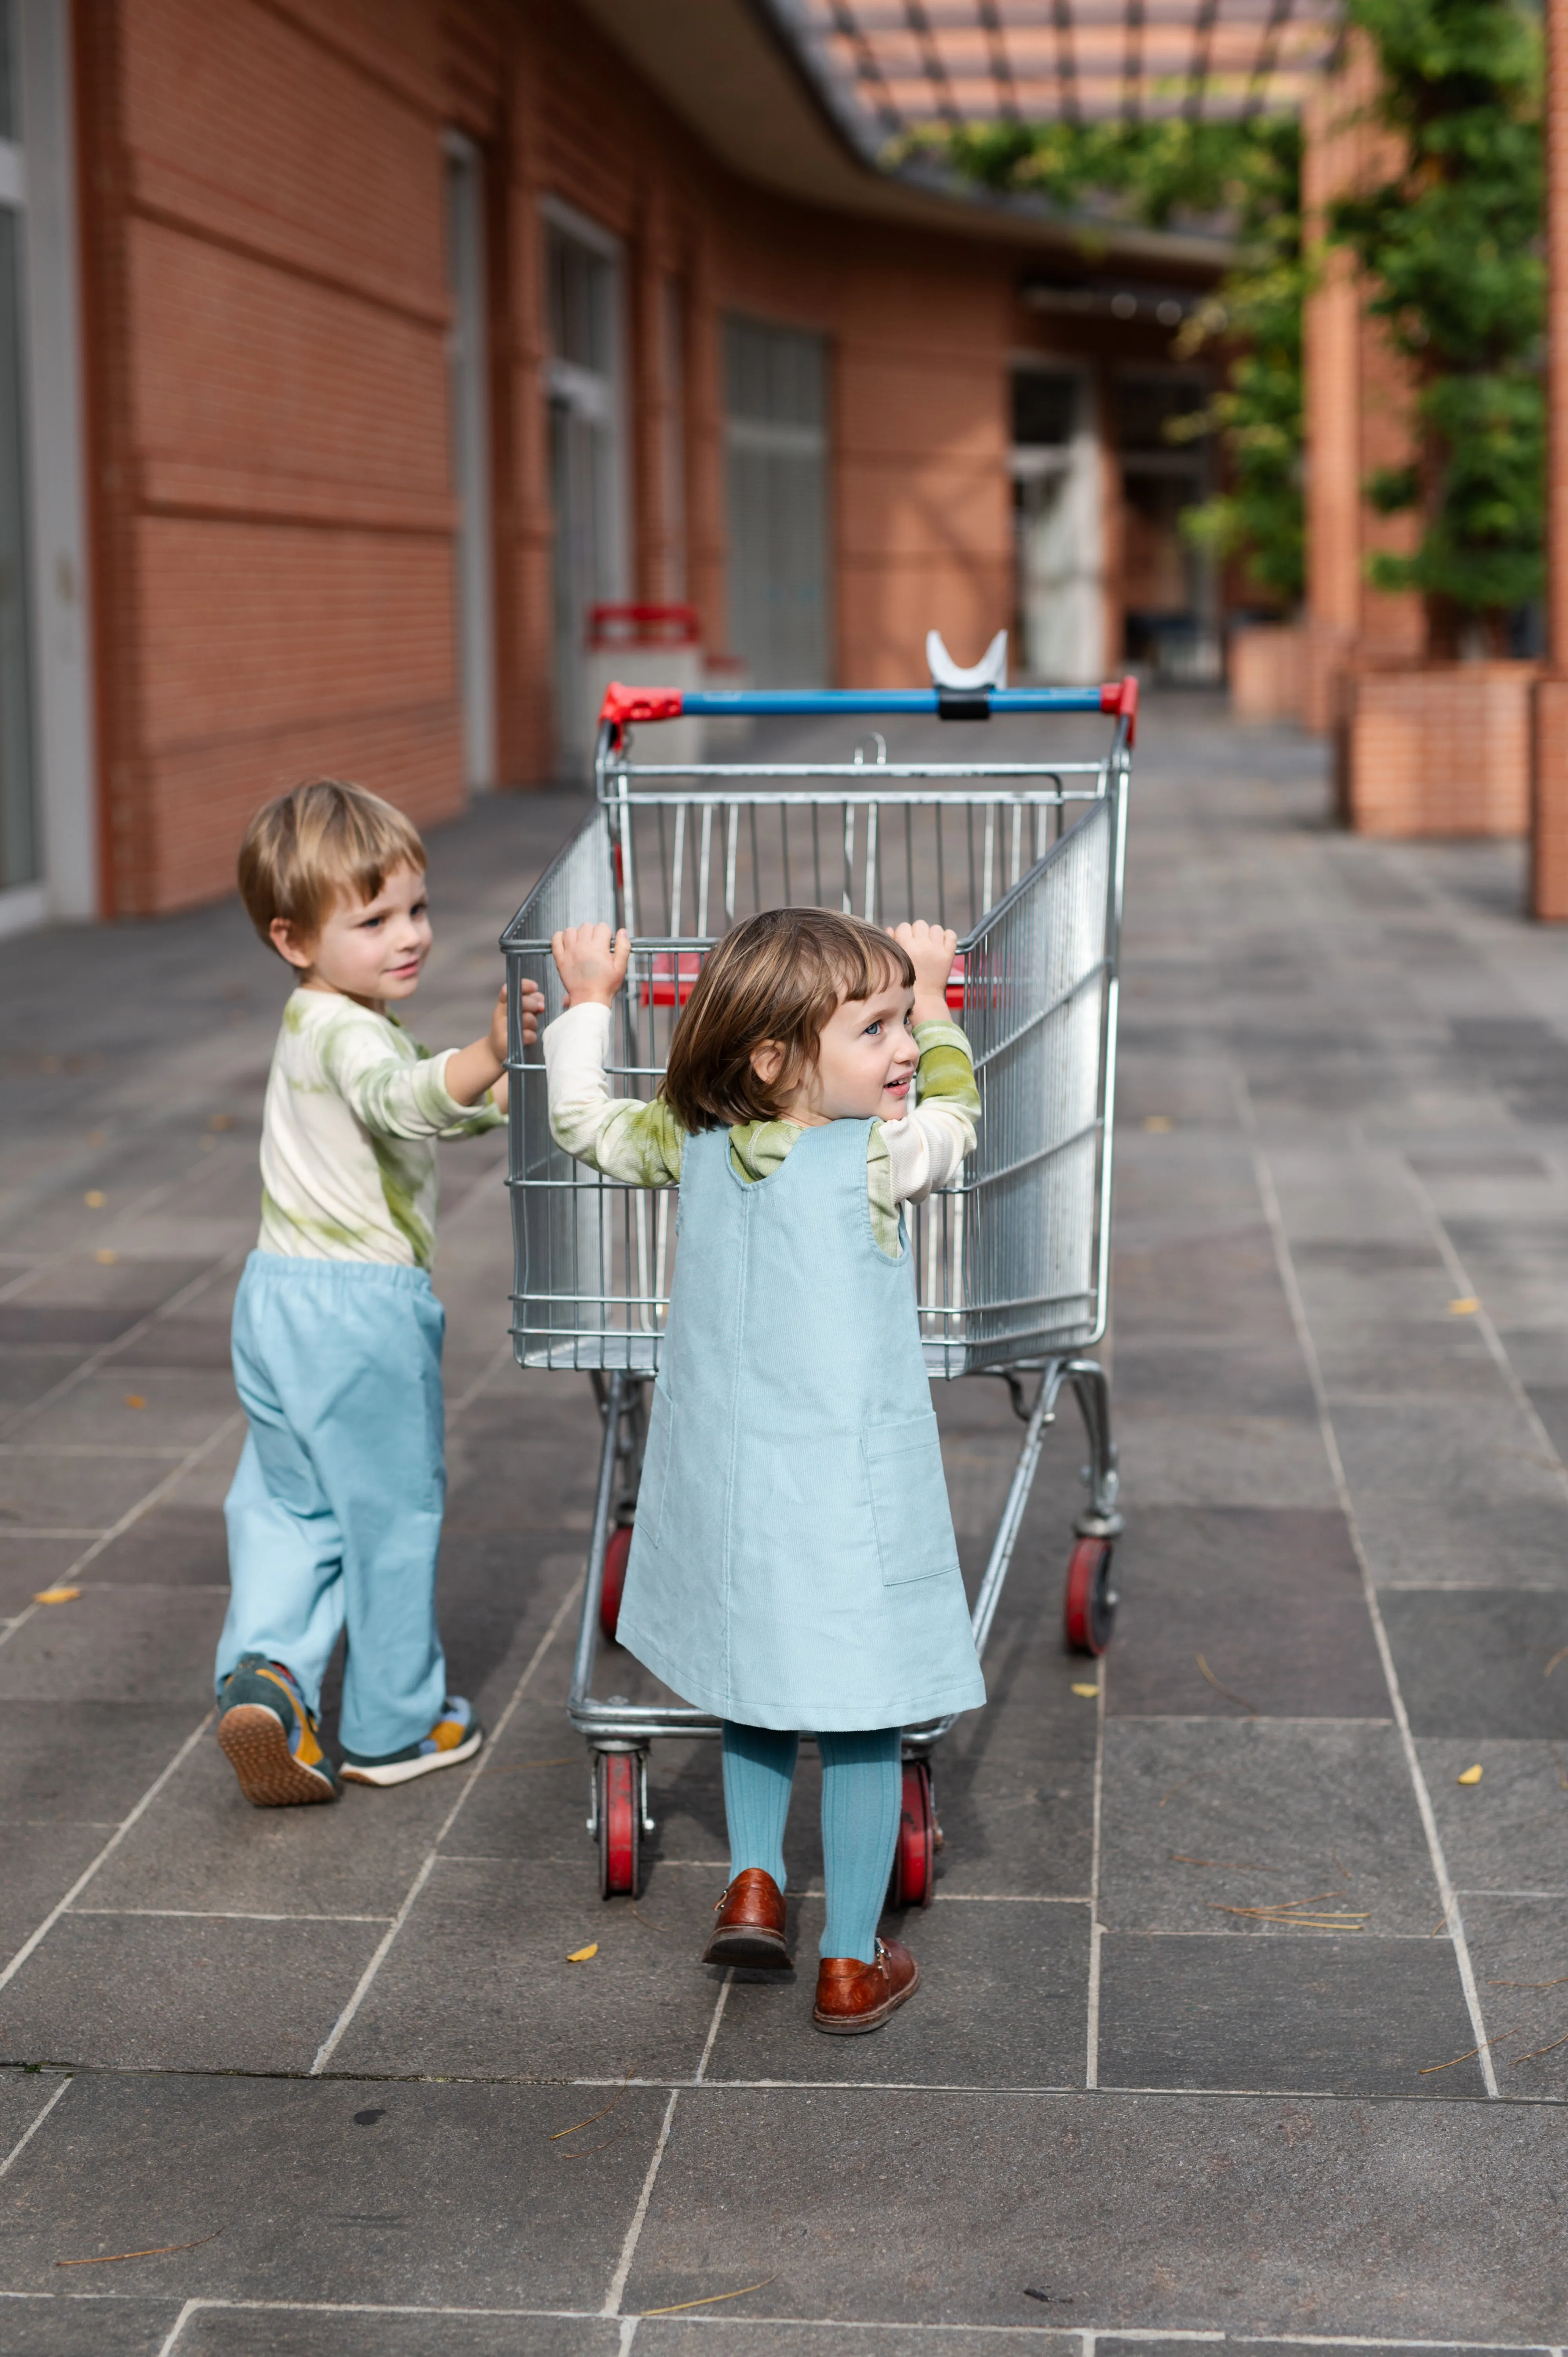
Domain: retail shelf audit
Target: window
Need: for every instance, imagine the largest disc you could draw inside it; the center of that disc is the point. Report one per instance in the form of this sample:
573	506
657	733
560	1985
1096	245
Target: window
583	322
776	447
1057	512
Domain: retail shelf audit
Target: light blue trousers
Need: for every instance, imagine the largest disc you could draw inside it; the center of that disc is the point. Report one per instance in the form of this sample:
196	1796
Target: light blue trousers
335	1513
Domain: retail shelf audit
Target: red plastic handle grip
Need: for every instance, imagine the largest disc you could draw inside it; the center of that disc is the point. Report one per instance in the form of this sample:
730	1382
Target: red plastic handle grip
622	704
1120	696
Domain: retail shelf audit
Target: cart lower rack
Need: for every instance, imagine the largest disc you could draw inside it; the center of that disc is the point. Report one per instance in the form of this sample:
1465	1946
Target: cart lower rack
1024	860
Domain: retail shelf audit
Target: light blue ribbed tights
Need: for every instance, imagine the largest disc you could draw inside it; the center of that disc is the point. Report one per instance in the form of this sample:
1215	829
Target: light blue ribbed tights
862	1795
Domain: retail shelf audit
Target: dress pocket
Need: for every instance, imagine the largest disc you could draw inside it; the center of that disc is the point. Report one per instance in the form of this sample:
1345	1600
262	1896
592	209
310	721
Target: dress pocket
655	1468
909	1500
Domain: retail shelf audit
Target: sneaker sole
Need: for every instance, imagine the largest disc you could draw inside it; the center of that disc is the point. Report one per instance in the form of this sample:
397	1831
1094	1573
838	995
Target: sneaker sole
404	1771
856	2026
256	1747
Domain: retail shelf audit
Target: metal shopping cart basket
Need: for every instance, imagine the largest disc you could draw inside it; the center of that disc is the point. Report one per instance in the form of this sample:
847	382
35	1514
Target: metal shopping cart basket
1024	860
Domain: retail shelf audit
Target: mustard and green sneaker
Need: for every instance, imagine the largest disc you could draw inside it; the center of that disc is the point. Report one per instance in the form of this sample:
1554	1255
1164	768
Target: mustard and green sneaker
271	1739
455	1737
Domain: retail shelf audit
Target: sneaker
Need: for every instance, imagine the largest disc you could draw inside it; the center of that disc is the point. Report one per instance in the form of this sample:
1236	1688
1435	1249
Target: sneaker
455	1737
271	1739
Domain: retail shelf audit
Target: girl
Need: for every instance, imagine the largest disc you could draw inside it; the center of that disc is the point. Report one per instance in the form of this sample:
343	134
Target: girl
792	1564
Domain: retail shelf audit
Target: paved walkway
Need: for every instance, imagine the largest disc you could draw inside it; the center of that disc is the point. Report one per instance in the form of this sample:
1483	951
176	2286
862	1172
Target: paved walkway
327	2074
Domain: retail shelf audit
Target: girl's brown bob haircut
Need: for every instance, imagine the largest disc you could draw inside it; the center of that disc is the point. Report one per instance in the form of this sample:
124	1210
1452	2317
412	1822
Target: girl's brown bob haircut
322	841
778	975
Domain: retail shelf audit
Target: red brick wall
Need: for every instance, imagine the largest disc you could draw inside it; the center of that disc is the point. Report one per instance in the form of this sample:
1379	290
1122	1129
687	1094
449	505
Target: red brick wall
266	309
262	206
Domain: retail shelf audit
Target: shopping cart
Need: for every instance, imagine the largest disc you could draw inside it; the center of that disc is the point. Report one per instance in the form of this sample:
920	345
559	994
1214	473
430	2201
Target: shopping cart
1024	860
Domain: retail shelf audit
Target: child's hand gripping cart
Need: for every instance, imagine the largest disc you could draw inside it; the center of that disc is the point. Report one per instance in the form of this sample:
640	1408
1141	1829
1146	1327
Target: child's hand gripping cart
1024	859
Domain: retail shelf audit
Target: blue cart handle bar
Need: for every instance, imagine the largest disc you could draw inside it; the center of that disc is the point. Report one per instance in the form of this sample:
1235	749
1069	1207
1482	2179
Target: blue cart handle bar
624	706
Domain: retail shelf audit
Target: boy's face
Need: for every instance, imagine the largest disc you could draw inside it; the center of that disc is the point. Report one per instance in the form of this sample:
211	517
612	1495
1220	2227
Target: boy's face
370	950
865	1062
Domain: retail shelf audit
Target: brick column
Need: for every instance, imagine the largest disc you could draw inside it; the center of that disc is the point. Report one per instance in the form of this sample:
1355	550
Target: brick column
1548	765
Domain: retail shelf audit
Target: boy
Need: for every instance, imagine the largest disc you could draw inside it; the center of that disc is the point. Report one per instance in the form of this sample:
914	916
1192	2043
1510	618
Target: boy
335	1513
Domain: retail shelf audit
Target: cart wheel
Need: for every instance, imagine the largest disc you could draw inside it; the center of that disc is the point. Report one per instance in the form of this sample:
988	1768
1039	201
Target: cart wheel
617	1549
1088	1603
621	1828
913	1855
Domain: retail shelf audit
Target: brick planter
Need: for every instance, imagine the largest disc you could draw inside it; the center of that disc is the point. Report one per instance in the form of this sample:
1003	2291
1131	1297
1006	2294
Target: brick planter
1439	749
1266	665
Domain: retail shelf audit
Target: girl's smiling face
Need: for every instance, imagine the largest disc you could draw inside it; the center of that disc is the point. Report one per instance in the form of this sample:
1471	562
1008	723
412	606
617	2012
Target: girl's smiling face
865	1062
370	950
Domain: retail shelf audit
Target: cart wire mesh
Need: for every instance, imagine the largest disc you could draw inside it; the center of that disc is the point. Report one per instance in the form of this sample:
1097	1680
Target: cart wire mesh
1022	860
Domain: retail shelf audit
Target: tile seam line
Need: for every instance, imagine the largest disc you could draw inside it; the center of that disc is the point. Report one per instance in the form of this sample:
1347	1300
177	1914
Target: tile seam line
62	1906
1065	2089
383	1948
31	2131
612	2300
1189	2335
159	1490
1285	1261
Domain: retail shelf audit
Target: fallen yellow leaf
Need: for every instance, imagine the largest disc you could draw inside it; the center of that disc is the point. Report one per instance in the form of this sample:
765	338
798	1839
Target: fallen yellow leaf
94	1198
1466	1307
580	1955
135	1399
1089	1693
1158	1121
1470	1776
106	1259
57	1596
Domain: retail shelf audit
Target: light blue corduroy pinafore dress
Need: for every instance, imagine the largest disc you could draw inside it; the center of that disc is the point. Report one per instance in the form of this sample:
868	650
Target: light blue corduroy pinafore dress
793	1563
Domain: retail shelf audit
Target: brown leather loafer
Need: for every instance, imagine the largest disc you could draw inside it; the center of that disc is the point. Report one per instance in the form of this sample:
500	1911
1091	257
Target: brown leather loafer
852	1997
750	1929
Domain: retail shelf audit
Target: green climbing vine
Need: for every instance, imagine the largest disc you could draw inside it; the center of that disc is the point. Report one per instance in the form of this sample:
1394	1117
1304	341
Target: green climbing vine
1451	242
1163	175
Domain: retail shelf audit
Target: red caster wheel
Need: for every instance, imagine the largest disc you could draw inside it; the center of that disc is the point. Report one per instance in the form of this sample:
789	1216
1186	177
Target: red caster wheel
913	1875
1089	1604
618	1800
616	1553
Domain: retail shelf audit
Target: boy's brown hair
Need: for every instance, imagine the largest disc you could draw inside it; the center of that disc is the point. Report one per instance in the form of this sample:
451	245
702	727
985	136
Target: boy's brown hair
780	976
323	840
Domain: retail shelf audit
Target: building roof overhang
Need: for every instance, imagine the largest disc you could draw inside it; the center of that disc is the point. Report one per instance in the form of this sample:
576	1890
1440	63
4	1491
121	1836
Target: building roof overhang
741	74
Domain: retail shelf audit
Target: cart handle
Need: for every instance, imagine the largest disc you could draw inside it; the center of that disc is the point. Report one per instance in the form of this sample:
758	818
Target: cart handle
623	706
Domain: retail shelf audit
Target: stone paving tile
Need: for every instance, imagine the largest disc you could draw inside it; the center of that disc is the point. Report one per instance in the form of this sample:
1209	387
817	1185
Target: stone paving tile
207	1849
1434	2220
41	1490
27	1374
276	2333
150	1993
321	2191
1315	2014
68	2325
1510	1831
29	1564
1519	1947
719	2336
176	1544
118	1645
1199	1816
1171	1458
1473	1665
459	1994
1001	2004
179	1409
1446	1490
1270	1597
